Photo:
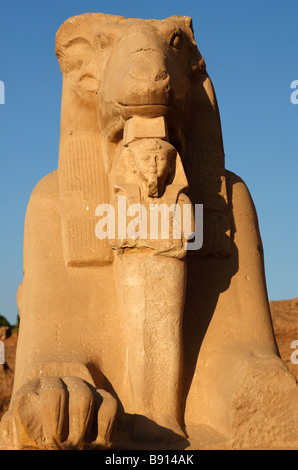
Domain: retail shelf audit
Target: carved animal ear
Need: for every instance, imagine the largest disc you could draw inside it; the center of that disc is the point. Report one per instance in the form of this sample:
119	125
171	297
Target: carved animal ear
76	49
78	65
205	164
206	126
197	63
205	145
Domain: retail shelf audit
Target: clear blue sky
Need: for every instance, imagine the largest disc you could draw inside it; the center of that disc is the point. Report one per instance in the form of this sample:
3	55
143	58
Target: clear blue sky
251	53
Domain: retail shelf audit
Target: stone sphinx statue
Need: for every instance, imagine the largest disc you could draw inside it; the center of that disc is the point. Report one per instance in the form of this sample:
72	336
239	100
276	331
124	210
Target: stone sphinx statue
127	337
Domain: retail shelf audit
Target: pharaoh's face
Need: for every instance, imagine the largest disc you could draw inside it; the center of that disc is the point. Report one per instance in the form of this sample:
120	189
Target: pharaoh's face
152	161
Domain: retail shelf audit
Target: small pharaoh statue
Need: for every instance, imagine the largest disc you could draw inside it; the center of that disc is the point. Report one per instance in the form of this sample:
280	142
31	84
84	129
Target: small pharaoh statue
150	268
151	178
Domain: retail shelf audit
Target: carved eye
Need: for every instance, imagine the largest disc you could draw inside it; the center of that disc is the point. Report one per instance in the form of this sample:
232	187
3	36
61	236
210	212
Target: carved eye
176	41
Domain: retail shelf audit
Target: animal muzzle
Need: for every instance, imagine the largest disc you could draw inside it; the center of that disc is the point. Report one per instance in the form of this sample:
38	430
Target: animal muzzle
144	81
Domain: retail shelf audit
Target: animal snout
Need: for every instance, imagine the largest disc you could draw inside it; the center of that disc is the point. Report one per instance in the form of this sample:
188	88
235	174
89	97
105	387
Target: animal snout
149	66
149	74
143	74
144	80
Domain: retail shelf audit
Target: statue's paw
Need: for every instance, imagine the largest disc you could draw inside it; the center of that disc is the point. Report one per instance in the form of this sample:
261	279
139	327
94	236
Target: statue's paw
54	412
